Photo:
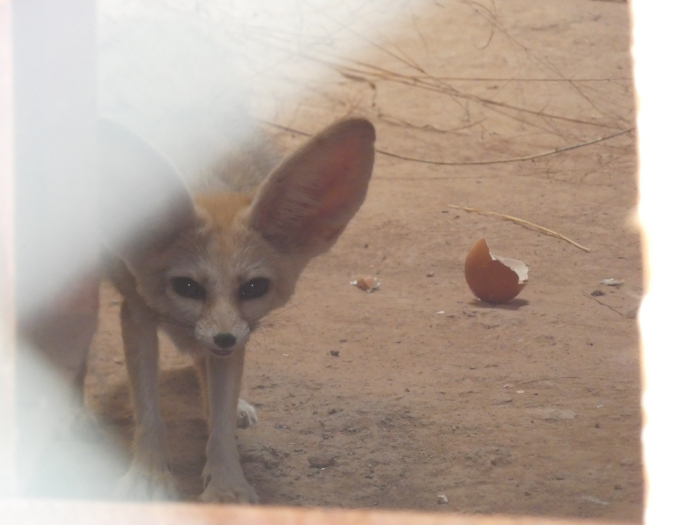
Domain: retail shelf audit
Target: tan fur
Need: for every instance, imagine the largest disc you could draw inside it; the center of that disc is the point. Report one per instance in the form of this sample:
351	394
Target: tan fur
222	209
206	269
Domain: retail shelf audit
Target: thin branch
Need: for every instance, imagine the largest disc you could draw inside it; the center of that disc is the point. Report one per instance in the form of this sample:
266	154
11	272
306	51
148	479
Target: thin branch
522	222
474	162
602	303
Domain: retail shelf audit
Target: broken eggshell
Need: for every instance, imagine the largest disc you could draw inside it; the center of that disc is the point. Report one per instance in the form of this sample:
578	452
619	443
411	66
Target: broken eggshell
493	279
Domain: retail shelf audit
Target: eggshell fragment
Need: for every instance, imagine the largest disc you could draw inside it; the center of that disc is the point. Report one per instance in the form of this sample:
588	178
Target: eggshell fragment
367	284
493	279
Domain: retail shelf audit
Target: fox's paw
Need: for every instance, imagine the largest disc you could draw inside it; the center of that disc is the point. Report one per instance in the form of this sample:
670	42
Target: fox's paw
236	492
148	483
247	416
222	485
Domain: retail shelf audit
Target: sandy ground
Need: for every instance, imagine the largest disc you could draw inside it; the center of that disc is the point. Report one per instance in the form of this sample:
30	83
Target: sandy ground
420	390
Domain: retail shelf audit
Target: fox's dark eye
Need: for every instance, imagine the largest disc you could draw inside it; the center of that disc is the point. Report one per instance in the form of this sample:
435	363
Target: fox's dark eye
186	287
254	288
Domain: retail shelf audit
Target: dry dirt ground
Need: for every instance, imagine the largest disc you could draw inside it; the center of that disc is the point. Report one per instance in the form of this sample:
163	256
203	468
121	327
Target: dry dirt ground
420	390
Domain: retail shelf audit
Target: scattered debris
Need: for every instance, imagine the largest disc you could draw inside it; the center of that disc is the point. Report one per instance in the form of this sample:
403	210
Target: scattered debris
367	284
442	499
321	462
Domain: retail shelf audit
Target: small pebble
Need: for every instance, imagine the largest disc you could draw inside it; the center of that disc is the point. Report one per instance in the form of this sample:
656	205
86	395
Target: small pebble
335	353
430	274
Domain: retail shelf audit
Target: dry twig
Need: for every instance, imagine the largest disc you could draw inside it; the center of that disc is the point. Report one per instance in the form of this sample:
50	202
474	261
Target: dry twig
522	222
475	162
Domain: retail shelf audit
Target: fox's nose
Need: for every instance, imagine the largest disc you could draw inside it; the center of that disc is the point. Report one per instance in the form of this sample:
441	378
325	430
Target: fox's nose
225	340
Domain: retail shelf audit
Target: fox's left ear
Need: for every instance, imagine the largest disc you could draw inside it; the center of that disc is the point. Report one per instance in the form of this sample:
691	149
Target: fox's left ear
307	201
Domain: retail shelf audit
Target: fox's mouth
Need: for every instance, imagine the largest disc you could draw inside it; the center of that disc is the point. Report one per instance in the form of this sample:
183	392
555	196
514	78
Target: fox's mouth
222	352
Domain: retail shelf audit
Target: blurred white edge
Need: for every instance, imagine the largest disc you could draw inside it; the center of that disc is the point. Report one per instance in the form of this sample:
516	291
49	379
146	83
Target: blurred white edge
665	39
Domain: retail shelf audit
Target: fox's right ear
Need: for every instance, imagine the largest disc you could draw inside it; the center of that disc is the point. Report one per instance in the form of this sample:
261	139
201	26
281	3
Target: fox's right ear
144	203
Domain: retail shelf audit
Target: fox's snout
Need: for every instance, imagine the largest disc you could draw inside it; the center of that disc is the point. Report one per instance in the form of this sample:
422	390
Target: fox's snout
222	332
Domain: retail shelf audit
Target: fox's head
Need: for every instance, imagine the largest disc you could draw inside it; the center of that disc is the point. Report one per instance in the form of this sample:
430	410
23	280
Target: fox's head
213	265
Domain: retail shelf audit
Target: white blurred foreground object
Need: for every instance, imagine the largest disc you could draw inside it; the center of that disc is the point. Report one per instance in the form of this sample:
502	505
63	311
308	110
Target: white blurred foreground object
665	44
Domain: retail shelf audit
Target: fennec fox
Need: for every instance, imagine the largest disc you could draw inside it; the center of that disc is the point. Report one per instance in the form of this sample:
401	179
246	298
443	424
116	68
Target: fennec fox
207	267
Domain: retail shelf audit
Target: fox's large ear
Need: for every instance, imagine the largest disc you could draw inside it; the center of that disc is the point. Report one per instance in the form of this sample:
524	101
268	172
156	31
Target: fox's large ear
144	203
307	201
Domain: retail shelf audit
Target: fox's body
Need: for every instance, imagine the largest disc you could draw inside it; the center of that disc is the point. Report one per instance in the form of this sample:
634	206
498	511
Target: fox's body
208	266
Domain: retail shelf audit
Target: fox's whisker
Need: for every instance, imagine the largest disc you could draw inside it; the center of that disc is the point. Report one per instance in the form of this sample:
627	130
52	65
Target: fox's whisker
170	320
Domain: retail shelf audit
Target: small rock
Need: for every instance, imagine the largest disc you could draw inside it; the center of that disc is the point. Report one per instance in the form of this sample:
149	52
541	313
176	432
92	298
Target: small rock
559	477
597	293
618	487
321	461
332	411
502	400
442	499
551	414
490	456
612	282
595	500
430	274
335	353
597	425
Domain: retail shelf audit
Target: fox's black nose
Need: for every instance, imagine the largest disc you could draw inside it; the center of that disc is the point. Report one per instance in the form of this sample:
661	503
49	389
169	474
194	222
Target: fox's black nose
225	340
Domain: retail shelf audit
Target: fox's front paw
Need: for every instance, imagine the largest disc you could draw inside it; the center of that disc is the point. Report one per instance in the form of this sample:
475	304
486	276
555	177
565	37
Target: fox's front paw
227	487
247	416
148	483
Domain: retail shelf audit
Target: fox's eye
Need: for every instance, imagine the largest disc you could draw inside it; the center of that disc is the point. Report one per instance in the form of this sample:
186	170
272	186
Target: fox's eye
254	288
186	287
